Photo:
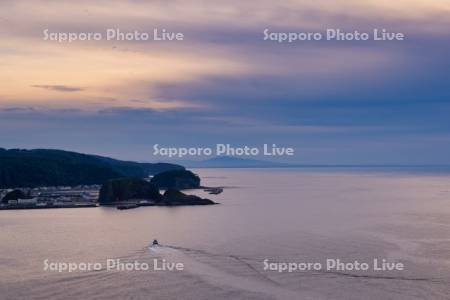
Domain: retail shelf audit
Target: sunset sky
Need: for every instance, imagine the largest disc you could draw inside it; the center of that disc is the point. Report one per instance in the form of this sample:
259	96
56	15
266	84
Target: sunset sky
360	102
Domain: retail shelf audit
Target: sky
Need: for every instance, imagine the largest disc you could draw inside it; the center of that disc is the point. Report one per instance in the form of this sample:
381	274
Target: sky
334	102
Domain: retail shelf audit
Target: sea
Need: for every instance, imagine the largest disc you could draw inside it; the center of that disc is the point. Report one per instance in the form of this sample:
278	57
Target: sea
297	233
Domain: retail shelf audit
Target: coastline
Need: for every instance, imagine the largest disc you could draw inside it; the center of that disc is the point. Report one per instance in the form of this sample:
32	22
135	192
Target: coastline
47	207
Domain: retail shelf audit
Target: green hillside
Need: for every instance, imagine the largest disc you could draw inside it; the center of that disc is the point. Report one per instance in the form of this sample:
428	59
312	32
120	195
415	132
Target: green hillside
42	167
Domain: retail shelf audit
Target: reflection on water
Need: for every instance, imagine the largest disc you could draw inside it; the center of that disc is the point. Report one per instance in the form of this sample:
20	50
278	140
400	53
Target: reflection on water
281	215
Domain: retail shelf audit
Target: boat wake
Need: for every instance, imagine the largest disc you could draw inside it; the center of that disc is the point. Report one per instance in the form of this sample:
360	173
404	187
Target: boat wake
240	272
232	271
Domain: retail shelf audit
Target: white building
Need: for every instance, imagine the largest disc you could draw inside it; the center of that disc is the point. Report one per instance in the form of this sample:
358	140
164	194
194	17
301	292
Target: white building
27	201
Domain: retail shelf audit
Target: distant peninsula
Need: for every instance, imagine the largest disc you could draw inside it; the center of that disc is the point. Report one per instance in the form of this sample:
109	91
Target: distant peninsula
235	162
42	178
46	167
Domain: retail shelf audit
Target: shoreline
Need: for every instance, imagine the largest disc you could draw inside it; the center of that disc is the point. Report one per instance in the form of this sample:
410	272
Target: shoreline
48	207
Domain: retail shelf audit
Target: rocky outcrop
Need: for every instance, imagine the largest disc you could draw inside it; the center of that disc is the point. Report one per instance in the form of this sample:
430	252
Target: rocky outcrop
175	197
176	179
133	190
126	189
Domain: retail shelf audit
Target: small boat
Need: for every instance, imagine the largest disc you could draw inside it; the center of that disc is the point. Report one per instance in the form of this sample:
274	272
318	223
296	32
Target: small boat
155	243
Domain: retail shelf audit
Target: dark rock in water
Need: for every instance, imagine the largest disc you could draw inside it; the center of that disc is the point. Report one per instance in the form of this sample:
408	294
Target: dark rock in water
214	190
175	197
176	179
124	189
15	195
127	206
124	192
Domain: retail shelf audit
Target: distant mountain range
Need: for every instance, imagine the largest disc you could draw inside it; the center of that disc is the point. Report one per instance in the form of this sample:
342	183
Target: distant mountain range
235	162
43	167
238	162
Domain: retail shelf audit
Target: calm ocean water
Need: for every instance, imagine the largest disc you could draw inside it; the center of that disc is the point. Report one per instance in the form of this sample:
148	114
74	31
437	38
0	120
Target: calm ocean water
283	215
